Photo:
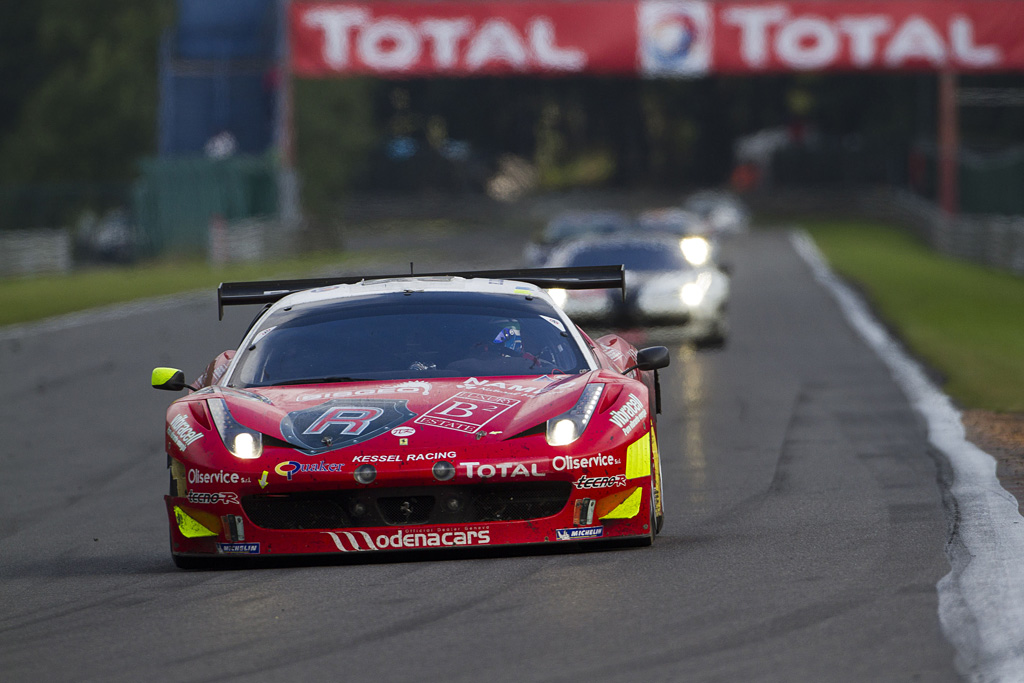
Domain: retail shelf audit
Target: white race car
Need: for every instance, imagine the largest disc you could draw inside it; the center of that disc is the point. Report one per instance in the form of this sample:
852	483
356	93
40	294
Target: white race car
662	287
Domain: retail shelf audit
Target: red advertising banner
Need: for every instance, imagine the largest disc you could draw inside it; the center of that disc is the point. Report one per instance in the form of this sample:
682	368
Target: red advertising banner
654	38
463	39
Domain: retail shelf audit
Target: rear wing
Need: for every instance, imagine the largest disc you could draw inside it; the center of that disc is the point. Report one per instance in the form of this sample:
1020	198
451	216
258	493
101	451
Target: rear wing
269	291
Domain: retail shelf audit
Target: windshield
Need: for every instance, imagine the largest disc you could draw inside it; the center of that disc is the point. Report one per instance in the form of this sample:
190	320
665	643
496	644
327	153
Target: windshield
637	257
402	336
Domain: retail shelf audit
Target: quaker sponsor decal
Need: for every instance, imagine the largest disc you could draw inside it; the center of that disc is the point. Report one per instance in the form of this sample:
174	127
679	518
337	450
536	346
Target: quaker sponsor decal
411	387
351	541
182	432
585	482
220	477
343	422
466	412
406	457
560	463
674	38
577	534
504	469
291	467
239	548
632	413
202	497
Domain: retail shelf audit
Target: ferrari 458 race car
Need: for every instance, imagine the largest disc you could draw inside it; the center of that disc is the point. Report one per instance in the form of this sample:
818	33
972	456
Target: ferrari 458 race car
416	412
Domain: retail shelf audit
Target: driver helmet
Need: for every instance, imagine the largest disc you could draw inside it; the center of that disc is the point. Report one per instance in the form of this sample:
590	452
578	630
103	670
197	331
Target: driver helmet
509	337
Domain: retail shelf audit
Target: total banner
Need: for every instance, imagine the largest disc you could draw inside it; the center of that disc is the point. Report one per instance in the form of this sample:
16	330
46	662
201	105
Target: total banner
653	38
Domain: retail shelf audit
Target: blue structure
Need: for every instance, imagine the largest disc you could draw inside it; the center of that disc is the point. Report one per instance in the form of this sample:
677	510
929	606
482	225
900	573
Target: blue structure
219	72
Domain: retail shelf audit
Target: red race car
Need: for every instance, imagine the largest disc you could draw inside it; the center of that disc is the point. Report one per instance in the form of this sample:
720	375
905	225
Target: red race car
445	410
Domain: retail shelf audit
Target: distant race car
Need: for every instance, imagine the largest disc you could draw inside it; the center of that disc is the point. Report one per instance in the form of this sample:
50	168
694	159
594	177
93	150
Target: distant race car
573	224
699	246
664	288
446	410
724	213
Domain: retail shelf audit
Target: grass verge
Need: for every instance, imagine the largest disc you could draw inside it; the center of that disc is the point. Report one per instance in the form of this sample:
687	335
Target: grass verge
963	320
27	299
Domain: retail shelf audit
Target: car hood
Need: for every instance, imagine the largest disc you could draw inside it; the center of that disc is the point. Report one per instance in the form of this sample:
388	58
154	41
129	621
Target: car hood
317	419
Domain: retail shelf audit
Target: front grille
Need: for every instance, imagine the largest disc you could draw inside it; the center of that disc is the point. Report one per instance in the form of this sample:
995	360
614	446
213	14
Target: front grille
516	501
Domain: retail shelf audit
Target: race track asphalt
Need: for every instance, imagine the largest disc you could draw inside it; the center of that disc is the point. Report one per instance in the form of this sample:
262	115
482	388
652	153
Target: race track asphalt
803	541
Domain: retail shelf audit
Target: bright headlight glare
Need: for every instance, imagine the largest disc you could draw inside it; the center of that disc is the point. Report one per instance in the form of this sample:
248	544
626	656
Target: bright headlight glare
563	432
691	294
241	442
696	250
569	426
559	296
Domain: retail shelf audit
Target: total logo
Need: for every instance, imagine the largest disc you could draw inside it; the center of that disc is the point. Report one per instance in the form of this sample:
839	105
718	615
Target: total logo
351	541
390	43
505	469
674	37
864	39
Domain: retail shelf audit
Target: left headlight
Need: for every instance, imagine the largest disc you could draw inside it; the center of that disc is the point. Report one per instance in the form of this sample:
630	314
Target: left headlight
696	250
569	426
244	443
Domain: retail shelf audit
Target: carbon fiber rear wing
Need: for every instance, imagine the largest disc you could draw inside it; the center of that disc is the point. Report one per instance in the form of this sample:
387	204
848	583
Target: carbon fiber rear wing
269	291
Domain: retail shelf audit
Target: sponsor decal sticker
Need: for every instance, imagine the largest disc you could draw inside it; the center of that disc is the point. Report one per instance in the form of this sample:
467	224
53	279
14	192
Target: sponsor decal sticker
585	482
560	463
220	477
292	467
499	387
343	422
352	541
466	412
632	413
182	433
239	548
578	533
202	497
406	457
410	387
403	431
505	469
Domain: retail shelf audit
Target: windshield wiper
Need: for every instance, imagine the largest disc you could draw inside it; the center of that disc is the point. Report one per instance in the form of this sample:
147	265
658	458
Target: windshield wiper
316	380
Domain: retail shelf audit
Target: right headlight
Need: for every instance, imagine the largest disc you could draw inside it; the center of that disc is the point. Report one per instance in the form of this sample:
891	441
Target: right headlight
569	426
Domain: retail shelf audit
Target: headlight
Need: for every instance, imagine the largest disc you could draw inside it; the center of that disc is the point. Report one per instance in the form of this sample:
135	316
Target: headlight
692	293
696	250
559	296
569	426
243	442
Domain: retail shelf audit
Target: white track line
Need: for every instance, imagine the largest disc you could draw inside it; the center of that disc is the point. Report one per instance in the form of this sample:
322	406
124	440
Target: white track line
981	600
97	315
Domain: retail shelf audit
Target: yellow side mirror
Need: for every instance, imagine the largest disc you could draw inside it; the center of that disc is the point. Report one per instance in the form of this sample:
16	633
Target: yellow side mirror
168	379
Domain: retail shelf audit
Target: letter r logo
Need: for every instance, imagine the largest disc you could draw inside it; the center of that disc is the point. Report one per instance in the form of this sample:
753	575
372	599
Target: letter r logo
355	420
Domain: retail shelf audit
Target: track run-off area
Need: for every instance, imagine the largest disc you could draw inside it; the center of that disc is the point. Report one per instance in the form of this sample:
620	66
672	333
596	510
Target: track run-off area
826	520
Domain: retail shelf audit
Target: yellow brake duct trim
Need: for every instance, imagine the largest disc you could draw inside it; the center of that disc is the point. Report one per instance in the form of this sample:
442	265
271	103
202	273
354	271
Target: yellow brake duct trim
189	526
638	458
629	508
